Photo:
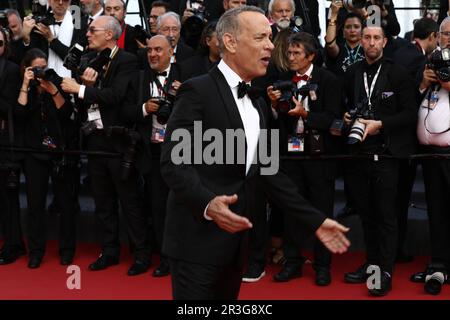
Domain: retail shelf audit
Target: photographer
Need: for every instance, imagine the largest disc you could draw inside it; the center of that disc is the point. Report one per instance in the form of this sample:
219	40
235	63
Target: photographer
10	135
380	95
47	127
158	8
53	33
159	87
106	93
433	132
304	121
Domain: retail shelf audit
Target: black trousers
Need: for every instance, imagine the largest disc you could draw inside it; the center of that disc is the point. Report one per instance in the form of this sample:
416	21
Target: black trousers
10	212
315	180
108	187
374	187
37	174
192	281
157	192
436	175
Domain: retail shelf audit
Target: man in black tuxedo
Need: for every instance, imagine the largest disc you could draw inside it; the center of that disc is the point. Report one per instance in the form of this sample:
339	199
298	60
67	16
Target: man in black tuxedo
210	206
169	25
304	130
106	95
127	40
160	80
383	92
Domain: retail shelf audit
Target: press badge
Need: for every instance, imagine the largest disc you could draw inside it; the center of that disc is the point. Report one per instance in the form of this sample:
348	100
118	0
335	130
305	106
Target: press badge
158	134
94	113
434	97
296	144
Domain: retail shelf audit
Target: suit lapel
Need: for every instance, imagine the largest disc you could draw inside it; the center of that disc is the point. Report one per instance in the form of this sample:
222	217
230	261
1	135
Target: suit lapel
227	97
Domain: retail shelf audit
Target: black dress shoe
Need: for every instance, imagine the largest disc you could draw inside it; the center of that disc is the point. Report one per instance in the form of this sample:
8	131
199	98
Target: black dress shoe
138	267
66	260
385	286
288	272
103	262
418	277
358	276
323	277
34	262
162	270
9	256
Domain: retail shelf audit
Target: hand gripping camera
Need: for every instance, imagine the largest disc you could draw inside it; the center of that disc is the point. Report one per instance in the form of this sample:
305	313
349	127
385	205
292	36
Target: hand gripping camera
439	61
289	89
361	111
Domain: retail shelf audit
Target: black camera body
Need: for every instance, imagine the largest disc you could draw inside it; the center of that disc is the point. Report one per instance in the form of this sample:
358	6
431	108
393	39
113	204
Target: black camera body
439	61
45	74
141	34
165	107
289	89
47	19
194	24
357	128
75	63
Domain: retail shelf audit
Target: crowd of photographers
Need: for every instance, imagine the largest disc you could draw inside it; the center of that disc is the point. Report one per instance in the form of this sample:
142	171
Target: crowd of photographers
97	84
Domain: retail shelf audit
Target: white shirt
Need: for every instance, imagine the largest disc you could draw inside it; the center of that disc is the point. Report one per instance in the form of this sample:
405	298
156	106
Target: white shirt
95	16
436	120
249	116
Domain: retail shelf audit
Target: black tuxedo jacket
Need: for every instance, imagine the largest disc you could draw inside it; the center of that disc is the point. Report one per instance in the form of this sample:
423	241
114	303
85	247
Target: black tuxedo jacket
183	51
394	101
188	235
195	66
9	90
412	58
115	92
134	115
322	112
130	40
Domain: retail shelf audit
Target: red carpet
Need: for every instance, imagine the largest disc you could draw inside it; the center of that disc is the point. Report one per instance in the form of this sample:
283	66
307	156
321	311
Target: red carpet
49	281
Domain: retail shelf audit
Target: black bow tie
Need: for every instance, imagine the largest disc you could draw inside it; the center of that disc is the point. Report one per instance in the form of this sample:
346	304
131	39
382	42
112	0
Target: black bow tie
58	23
244	88
161	74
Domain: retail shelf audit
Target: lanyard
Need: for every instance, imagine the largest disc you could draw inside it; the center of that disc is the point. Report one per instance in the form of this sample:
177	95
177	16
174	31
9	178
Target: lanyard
354	56
366	86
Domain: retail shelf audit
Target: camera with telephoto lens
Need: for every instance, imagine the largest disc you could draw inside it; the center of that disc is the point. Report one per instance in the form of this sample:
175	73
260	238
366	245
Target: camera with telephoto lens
128	157
194	24
439	61
361	111
289	89
141	34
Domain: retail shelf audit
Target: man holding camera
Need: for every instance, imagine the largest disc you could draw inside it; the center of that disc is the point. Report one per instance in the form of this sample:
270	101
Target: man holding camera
108	93
304	122
54	33
158	86
383	113
433	132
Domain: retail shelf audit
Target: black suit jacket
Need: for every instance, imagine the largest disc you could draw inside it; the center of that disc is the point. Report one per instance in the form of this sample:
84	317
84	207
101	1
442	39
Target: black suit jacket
412	58
116	90
9	90
195	66
141	86
398	111
188	235
183	51
322	112
130	40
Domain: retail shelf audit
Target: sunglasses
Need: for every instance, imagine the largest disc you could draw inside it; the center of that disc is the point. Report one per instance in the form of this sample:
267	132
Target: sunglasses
2	43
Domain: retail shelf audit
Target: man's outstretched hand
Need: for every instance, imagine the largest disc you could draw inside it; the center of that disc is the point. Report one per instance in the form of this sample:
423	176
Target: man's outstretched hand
225	218
331	234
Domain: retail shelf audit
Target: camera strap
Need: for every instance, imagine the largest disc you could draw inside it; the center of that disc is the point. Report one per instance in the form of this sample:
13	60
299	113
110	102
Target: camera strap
372	86
432	91
161	88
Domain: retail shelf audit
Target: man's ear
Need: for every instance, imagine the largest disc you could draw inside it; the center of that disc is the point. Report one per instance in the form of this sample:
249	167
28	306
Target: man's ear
229	42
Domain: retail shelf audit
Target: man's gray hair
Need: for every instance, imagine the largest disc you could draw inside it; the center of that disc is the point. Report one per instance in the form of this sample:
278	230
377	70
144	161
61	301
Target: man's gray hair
443	23
229	22
112	24
10	12
167	15
272	2
102	2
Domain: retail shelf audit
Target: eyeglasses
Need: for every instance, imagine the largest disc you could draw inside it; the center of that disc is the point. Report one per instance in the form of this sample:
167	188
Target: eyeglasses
445	33
2	43
153	17
93	29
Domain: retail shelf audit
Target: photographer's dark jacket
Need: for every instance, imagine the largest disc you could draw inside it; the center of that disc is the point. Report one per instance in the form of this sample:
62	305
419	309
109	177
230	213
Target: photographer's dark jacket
113	92
42	119
135	114
10	121
322	112
393	100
